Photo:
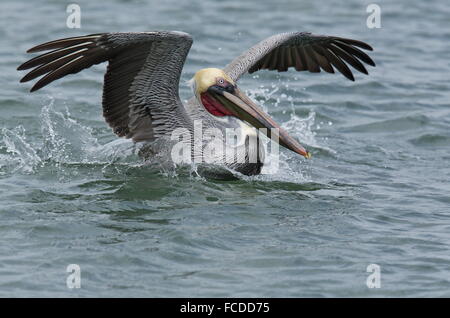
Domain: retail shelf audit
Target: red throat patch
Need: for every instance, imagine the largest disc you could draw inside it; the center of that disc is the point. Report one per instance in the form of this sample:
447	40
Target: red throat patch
213	106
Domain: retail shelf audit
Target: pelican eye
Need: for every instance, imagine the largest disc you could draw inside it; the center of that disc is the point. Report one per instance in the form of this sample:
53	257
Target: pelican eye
223	85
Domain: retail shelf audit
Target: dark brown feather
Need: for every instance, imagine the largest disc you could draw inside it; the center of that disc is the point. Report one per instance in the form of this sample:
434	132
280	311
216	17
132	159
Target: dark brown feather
348	58
300	64
273	60
289	60
74	66
323	62
356	52
282	67
53	55
264	64
313	65
337	62
360	44
53	65
64	43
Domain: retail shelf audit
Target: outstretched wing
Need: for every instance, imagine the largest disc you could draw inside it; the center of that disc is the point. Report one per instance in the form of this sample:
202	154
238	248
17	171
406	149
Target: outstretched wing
305	52
140	91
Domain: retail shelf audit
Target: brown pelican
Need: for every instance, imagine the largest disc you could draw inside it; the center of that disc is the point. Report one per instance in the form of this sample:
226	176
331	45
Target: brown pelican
140	92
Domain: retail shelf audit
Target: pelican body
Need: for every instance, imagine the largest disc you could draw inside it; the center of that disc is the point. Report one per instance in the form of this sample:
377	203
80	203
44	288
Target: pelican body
140	92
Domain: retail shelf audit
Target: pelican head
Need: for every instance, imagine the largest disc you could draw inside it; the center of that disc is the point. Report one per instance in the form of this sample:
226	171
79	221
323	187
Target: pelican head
220	96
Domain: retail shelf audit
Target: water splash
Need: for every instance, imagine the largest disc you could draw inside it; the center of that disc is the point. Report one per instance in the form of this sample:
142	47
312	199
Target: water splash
301	128
64	141
68	141
17	153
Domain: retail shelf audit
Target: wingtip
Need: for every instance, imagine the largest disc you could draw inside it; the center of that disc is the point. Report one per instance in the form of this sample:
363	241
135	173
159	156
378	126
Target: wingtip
350	77
36	86
366	47
34	49
371	63
24	66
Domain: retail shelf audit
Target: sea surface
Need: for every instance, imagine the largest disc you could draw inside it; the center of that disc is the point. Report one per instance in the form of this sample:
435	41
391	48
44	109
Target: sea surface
377	190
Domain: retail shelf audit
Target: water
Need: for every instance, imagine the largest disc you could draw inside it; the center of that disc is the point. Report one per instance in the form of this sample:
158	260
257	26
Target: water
376	191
